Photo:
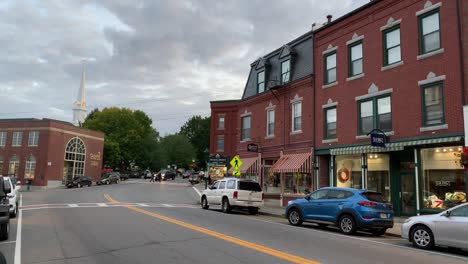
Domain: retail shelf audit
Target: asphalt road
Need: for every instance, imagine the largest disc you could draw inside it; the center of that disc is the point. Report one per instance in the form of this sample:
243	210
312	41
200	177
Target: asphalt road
163	223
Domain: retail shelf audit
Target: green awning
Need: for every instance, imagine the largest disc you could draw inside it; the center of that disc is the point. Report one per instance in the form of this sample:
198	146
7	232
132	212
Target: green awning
394	146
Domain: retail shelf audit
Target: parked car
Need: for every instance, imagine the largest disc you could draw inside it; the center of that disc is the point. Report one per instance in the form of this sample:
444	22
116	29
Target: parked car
187	174
13	195
194	178
134	174
4	210
124	176
147	174
449	228
349	209
109	178
233	193
166	175
79	182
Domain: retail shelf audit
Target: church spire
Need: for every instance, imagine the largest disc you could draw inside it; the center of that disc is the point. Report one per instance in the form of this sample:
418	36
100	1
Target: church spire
79	106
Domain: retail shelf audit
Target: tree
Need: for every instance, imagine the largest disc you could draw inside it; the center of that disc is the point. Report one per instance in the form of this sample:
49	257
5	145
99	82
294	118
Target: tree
128	135
176	150
197	130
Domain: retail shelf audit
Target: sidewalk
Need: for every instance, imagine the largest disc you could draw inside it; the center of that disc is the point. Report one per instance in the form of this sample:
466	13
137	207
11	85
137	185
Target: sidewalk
273	208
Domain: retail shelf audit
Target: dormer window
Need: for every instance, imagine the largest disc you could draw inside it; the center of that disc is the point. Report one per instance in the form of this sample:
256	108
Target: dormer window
285	71
261	82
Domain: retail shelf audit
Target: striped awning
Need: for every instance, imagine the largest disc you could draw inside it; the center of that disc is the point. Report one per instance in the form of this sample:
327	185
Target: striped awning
290	163
249	166
394	146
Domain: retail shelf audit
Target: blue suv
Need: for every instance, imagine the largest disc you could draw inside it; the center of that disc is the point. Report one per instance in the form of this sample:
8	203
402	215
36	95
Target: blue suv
349	209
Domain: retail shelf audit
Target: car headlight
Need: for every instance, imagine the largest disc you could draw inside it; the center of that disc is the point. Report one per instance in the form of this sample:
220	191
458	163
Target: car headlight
290	202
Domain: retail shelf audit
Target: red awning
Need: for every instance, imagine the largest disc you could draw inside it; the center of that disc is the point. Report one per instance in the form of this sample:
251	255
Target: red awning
291	163
249	165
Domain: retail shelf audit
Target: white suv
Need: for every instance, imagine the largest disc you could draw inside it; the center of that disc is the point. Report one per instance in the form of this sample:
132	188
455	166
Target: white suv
13	196
233	193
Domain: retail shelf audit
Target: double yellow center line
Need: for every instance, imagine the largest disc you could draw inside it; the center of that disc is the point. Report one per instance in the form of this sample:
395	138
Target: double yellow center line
269	251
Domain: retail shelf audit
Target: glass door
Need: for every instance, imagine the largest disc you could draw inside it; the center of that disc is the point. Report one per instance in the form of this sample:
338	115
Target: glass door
407	194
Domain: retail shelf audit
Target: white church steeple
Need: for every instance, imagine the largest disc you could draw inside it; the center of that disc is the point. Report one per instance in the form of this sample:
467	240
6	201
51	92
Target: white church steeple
79	106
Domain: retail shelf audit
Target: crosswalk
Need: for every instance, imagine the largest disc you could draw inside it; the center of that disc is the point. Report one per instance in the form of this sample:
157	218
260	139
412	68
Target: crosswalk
103	205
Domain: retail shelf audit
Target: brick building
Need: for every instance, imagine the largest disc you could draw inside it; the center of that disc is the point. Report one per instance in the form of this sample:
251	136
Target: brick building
393	65
49	151
276	114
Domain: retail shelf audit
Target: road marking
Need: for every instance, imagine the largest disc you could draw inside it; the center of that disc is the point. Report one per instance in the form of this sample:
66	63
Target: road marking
18	233
7	242
73	205
142	204
269	251
102	204
198	192
167	205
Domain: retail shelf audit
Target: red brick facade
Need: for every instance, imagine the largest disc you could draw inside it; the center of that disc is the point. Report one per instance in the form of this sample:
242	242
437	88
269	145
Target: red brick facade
50	150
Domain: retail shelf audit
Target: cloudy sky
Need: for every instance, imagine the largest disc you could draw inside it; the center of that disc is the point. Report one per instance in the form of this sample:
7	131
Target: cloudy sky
168	58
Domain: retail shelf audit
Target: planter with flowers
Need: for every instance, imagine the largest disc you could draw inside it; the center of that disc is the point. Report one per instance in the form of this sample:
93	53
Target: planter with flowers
462	158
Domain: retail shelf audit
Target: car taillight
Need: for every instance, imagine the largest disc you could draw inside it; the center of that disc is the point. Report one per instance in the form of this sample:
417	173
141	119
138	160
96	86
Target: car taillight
234	195
367	217
367	204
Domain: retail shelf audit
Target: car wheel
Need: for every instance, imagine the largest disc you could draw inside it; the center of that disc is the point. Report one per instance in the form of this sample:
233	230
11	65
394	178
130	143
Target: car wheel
253	210
107	182
226	207
15	212
79	185
4	231
379	232
295	217
204	203
422	237
89	184
347	225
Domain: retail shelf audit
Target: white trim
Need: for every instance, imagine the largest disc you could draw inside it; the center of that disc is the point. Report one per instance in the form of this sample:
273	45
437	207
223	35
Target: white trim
267	124
433	128
296	132
355	77
394	23
245	140
366	96
431	80
428	9
292	116
389	133
391	66
246	114
270	107
330	50
329	85
330	105
270	136
430	54
331	140
296	99
356	39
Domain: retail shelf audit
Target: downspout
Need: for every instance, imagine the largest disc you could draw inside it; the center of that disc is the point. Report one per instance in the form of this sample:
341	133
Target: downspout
315	166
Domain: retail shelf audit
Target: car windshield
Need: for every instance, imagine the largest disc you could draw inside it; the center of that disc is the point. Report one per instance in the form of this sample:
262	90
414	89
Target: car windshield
249	186
7	183
374	197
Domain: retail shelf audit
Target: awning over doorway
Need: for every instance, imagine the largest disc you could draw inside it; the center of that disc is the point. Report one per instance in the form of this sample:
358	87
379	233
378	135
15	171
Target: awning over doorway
249	166
291	163
395	146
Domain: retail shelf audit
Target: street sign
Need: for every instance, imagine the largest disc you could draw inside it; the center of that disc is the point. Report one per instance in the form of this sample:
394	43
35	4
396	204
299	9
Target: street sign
236	163
236	173
377	140
218	160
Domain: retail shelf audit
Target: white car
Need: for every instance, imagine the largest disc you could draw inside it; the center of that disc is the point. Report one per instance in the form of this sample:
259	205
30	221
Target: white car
13	196
233	193
449	228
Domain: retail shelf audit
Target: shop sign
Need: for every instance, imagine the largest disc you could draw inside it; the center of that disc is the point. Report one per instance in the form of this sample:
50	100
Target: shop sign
218	160
377	140
443	183
252	147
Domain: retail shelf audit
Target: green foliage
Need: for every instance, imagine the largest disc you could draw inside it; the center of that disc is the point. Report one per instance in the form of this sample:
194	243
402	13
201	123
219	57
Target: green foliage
197	130
176	149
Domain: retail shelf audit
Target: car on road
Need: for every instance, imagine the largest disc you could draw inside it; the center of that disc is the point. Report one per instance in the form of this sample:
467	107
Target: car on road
134	174
233	193
12	195
349	209
123	176
448	228
109	178
5	210
147	174
80	181
187	174
166	175
194	178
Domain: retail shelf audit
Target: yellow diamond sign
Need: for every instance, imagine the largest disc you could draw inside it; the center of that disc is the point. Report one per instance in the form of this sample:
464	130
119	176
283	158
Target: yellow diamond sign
236	173
236	163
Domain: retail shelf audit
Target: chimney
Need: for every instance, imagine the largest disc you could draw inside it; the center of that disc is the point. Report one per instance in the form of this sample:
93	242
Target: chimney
329	18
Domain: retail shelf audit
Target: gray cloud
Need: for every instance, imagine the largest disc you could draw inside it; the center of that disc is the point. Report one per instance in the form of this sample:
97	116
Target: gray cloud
168	58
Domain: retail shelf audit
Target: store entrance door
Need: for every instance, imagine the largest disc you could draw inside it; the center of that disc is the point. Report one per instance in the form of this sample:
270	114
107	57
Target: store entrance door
407	194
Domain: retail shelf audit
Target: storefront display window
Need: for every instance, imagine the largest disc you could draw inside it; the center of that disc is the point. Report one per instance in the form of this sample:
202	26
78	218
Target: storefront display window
348	171
217	172
378	174
271	181
297	183
443	178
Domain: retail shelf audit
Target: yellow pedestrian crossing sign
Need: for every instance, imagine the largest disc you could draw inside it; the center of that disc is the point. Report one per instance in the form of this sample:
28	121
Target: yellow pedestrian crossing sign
236	173
236	163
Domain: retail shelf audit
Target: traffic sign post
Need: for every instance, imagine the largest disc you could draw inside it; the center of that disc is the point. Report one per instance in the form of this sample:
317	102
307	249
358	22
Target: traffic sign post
236	173
236	163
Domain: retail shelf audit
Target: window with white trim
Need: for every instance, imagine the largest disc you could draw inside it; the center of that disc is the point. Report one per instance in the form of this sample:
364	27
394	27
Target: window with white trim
270	123
33	139
220	143
3	137
245	129
330	123
433	104
296	116
375	113
221	122
355	59
261	82
429	32
14	166
330	68
30	168
392	45
17	138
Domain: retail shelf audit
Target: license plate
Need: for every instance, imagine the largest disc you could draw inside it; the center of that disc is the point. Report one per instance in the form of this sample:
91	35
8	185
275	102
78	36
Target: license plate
383	216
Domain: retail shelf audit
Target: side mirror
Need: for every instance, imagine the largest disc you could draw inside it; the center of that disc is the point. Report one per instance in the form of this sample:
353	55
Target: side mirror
7	189
307	197
447	214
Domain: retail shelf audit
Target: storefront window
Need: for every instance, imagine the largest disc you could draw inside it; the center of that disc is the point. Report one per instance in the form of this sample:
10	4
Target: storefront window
378	174
297	183
348	171
271	181
443	178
